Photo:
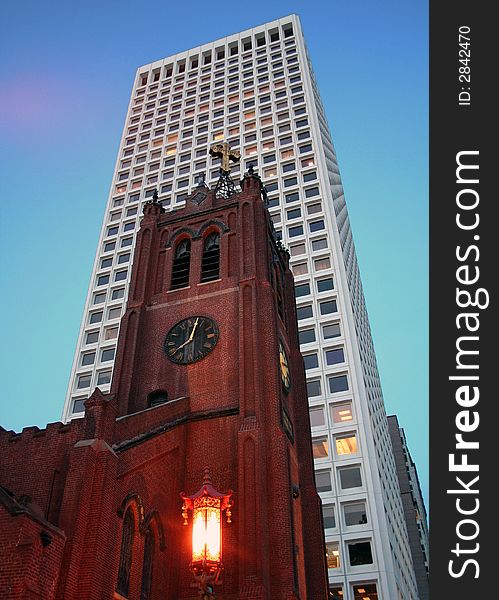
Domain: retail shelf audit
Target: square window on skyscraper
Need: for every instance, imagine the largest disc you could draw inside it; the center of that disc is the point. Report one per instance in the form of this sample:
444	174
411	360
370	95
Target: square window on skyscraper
331	331
355	513
360	553
102	280
317	418
118	293
328	307
338	383
120	275
322	264
320	447
319	244
302	289
88	359
328	516
295	231
350	477
323	481
84	381
325	285
100	298
314	388
345	444
333	555
92	337
304	312
294	213
107	354
335	356
311	361
297	249
114	313
341	412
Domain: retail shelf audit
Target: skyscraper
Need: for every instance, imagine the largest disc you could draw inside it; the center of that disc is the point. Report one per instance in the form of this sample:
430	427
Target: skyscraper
256	90
414	508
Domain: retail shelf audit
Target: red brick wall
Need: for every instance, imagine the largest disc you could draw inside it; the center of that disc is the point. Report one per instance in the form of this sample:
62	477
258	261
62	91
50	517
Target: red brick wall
27	568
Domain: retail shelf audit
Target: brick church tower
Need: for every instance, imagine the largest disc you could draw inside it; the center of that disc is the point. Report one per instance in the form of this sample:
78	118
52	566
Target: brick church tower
208	400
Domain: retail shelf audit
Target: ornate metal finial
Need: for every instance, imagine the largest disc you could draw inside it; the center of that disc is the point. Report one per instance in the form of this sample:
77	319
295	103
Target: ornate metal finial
206	475
155	197
251	169
201	179
226	153
225	186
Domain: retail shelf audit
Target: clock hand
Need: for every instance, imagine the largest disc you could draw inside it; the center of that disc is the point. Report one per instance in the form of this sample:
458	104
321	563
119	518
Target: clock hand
194	329
189	340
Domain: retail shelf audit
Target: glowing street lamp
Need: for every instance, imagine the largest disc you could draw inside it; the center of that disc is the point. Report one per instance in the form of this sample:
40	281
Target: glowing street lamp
207	505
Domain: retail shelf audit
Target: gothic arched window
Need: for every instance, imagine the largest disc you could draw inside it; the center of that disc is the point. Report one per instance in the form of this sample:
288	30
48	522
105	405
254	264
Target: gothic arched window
127	536
210	264
181	265
147	566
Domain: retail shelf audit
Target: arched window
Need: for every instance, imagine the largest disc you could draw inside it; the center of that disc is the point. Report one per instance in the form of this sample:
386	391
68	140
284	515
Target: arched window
158	397
210	264
181	265
147	566
127	536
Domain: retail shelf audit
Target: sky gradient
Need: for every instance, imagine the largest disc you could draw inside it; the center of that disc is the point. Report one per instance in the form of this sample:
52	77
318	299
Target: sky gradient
67	72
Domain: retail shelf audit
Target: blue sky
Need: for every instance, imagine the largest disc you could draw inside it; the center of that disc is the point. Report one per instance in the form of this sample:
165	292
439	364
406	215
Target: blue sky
67	71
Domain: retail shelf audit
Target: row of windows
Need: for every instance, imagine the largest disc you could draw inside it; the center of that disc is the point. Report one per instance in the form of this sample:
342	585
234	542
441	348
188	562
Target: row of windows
114	229
268	173
232	49
109	333
266	159
105	279
329	331
227	93
353	514
201	150
296	213
232	102
345	444
349	477
337	384
360	591
332	356
84	380
320	264
358	552
322	285
233	113
233	128
341	414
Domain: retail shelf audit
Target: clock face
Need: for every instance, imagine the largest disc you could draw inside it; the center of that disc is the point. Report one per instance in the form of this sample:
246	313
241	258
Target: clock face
191	340
284	367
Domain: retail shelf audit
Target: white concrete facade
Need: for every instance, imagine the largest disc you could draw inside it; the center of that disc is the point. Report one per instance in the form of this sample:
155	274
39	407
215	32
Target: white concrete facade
256	89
